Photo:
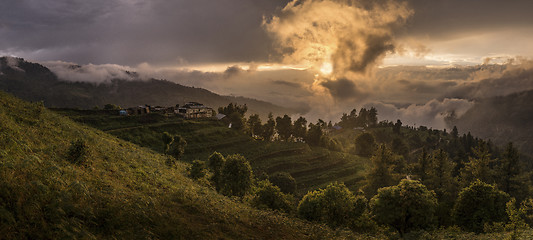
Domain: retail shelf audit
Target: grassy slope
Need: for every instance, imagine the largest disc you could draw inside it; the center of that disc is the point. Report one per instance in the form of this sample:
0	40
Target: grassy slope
311	167
123	190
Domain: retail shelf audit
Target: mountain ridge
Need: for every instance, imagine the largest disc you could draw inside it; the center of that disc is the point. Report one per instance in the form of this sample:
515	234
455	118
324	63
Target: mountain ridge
35	82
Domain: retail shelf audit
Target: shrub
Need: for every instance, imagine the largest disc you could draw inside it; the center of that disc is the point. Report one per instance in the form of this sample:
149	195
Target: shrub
406	207
78	152
267	195
236	176
284	181
177	148
197	169
479	204
335	205
216	163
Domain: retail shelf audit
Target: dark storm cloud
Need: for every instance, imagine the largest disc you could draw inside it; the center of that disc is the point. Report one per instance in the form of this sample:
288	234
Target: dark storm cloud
343	89
287	84
133	31
446	19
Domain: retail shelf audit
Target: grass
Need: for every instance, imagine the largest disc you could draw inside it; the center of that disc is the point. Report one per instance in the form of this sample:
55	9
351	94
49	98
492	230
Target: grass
312	167
122	191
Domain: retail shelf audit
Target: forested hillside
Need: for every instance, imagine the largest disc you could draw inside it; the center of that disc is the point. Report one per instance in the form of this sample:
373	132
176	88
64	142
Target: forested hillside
360	165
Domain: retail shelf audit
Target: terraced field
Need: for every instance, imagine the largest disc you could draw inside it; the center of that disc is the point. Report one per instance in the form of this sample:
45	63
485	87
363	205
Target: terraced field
311	167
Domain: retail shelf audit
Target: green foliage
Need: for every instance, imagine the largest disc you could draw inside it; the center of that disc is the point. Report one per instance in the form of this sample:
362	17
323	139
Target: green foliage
266	195
365	144
254	124
268	128
440	180
236	176
197	169
110	106
216	163
167	140
382	172
300	128
335	205
509	173
478	167
314	135
237	121
177	148
233	108
127	192
480	204
398	146
284	127
78	152
284	181
406	207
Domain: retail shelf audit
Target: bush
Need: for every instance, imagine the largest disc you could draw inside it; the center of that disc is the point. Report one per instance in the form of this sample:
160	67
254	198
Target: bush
197	169
177	148
267	195
335	205
216	163
284	181
78	152
236	176
480	204
406	207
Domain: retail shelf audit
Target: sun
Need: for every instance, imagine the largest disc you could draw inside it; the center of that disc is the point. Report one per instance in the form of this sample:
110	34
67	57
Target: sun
326	68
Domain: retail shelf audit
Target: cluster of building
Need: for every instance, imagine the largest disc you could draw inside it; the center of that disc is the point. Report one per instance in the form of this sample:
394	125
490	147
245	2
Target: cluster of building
189	110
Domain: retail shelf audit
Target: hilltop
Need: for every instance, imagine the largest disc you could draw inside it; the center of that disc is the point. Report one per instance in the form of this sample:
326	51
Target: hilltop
35	82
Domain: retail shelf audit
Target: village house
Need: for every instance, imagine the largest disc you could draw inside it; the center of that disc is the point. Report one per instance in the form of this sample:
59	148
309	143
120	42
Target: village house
195	110
140	110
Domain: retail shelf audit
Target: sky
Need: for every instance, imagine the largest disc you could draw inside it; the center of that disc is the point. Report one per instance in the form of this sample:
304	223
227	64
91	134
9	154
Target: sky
416	59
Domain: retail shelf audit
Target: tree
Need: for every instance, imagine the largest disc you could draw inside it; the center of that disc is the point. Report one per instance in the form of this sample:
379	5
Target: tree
335	205
440	180
284	127
314	135
300	128
236	176
197	169
397	127
509	172
381	174
110	106
399	147
284	181
478	166
233	108
237	121
372	118
405	207
215	163
365	144
254	124
177	148
268	129
167	140
267	195
422	166
479	204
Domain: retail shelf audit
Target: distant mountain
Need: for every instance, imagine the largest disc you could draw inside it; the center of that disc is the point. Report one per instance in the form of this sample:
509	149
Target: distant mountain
502	119
34	82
